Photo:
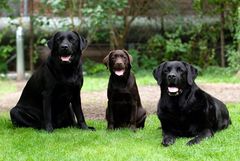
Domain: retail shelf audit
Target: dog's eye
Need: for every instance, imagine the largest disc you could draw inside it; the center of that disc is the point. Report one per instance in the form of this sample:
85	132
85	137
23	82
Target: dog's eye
166	70
70	39
58	39
179	69
124	57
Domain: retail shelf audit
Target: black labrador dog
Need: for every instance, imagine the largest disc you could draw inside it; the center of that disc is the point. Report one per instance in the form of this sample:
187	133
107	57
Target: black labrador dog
184	109
124	104
51	98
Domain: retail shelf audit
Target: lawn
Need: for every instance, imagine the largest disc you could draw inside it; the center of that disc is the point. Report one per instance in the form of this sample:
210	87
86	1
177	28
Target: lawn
143	77
74	144
7	87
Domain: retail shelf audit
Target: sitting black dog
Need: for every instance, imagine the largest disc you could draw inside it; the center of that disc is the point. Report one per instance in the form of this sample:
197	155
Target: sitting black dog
51	97
124	104
184	109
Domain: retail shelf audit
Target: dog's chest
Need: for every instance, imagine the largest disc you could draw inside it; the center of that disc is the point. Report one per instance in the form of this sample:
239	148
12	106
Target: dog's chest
63	91
121	94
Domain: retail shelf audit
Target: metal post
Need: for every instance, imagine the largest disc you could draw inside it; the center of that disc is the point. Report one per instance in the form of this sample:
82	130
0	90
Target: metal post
20	56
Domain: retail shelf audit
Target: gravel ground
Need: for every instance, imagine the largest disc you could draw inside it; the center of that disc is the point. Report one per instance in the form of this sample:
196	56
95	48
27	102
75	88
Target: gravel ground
94	103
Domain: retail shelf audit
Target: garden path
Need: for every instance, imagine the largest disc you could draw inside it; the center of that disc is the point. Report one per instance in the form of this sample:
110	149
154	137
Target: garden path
94	103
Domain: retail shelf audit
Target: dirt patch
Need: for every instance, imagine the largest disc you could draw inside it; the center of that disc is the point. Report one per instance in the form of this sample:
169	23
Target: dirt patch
95	103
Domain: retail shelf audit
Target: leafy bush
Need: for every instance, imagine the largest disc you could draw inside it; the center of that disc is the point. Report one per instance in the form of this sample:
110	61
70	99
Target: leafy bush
91	67
234	59
5	51
188	44
233	53
142	61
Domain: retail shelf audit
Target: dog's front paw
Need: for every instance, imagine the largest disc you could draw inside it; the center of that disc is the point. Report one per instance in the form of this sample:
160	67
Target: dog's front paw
49	128
193	141
91	128
133	128
84	126
110	127
168	141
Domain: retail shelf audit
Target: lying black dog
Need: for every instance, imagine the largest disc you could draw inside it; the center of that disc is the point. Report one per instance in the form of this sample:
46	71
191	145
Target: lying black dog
184	109
51	97
124	104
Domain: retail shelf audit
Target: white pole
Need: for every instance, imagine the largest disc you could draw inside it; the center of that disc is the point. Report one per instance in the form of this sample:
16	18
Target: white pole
20	56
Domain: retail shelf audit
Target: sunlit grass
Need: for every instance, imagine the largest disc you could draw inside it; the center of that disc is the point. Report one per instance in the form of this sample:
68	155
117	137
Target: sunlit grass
7	86
75	144
99	81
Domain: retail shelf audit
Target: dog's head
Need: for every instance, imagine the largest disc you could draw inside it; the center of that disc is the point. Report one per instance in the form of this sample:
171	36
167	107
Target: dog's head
67	47
118	62
175	76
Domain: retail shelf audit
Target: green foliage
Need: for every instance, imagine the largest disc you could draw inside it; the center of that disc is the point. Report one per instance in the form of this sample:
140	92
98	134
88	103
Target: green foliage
175	48
5	7
189	44
74	144
5	51
234	59
230	8
91	67
142	61
103	15
234	49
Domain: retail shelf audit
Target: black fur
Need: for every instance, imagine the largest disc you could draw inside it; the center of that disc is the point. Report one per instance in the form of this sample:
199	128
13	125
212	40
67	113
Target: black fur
188	111
51	98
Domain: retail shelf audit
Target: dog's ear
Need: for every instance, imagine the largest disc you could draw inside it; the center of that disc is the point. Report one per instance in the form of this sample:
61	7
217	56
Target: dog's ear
106	59
157	73
192	73
129	56
83	43
51	41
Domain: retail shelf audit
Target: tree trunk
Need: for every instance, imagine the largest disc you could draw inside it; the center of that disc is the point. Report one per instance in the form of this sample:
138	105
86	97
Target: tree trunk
238	31
162	26
222	36
31	37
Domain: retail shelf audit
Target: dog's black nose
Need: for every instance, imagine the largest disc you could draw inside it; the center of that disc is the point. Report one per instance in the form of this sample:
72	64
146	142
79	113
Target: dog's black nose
64	46
171	76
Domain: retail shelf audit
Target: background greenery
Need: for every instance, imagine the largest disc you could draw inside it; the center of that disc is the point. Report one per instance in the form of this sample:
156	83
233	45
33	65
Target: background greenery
166	34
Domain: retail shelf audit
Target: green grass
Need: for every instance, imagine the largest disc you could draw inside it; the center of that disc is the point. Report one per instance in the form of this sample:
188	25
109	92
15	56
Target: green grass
74	144
7	87
99	81
218	75
145	77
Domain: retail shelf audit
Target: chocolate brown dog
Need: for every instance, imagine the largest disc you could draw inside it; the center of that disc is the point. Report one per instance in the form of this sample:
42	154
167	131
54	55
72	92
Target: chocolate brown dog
124	104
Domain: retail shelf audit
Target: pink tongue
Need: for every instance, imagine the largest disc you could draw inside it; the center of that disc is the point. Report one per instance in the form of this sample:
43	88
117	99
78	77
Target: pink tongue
119	72
172	89
65	58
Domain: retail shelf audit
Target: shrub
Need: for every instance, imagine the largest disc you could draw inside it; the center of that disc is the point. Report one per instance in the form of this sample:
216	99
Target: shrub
142	61
91	67
5	51
187	44
233	59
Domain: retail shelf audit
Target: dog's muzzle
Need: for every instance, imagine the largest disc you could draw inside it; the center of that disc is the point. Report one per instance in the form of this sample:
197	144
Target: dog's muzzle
174	91
119	69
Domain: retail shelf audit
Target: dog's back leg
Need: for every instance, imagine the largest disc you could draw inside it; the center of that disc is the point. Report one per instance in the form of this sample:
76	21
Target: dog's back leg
22	119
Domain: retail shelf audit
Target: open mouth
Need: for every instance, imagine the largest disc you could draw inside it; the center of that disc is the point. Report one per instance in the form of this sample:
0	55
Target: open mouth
119	72
174	91
66	58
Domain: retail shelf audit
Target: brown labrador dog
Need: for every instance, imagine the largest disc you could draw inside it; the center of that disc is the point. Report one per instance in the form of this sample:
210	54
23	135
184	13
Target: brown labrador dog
124	104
